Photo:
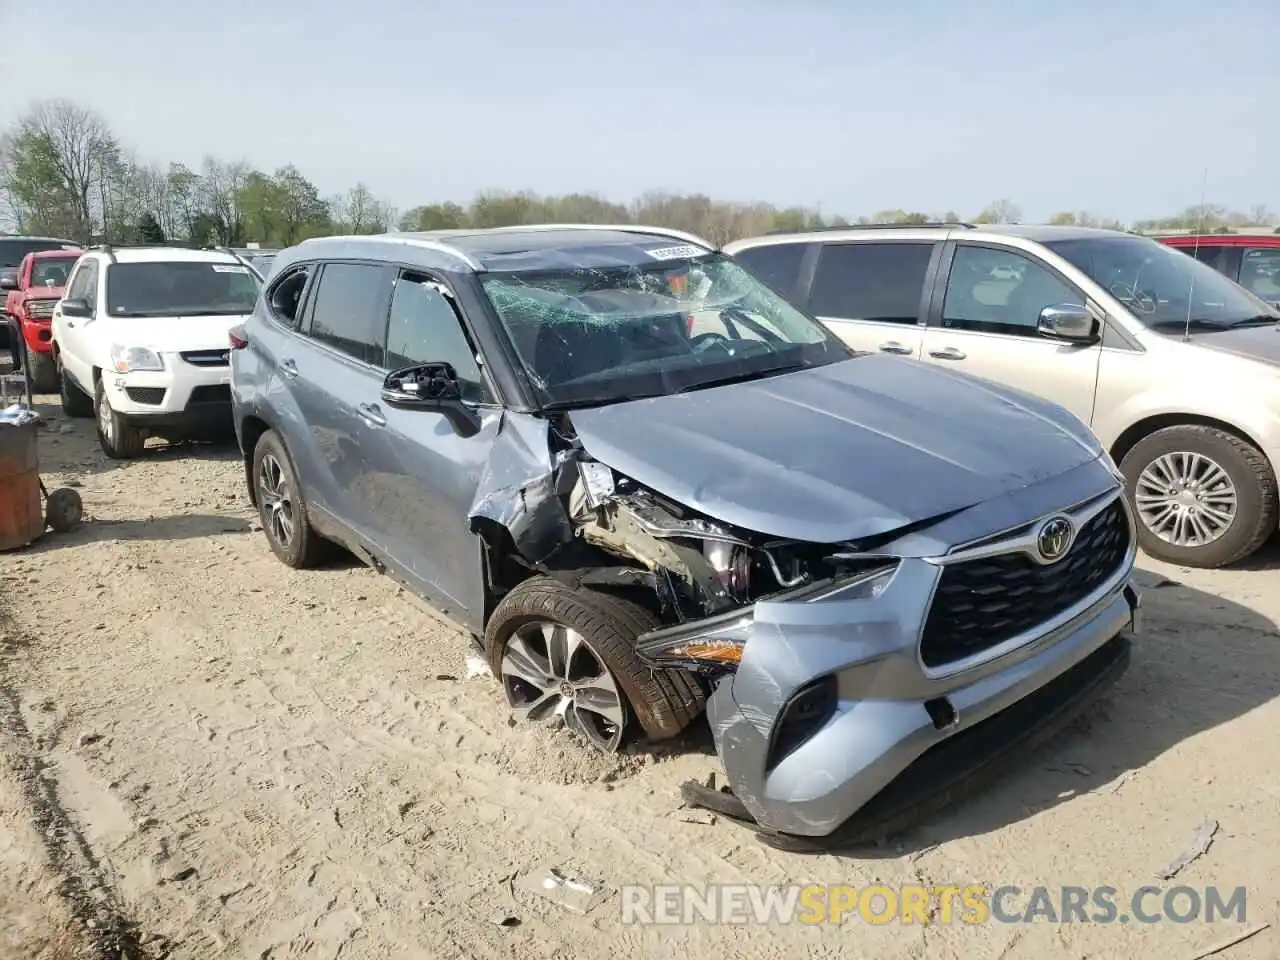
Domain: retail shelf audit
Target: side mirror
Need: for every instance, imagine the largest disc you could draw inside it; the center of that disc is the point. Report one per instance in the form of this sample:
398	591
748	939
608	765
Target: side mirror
8	281
1068	321
76	307
431	386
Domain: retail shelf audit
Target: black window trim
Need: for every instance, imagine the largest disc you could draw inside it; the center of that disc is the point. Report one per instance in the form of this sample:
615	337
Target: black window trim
798	293
943	277
809	273
464	322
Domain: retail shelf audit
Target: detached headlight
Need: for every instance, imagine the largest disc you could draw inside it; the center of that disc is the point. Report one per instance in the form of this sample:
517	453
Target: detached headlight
128	359
713	645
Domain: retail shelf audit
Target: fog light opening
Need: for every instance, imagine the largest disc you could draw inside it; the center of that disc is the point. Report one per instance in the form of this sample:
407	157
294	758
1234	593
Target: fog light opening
942	713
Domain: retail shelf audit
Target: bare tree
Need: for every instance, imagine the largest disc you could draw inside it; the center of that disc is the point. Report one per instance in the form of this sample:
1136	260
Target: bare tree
78	140
220	188
1001	211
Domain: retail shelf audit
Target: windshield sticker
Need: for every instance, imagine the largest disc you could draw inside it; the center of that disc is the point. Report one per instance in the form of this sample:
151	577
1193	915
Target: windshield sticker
676	253
228	268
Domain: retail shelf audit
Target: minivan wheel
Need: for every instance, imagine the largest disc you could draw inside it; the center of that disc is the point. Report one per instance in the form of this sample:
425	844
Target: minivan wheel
560	651
119	439
280	506
1201	496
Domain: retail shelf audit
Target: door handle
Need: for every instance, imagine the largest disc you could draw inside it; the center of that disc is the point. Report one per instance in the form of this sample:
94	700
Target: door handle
893	346
371	414
948	353
288	369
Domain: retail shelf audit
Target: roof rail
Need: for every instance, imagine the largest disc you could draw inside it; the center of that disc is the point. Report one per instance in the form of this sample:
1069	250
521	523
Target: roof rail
895	225
107	249
418	238
620	227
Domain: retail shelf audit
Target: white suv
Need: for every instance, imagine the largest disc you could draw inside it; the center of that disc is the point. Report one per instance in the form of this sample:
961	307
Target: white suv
1172	365
140	340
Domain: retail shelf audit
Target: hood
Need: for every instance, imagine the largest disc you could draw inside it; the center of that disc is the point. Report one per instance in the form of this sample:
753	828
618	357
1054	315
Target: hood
1256	343
841	452
43	293
171	334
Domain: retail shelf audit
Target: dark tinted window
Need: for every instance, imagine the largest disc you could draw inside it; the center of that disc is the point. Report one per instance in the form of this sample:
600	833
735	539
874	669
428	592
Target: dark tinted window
12	251
350	312
999	291
871	281
1210	254
424	329
777	264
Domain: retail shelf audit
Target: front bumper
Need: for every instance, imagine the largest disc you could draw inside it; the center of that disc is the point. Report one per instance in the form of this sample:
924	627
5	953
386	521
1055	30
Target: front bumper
181	396
898	737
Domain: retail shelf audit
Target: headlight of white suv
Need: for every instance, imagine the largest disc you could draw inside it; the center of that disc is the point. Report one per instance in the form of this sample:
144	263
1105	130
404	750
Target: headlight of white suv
127	359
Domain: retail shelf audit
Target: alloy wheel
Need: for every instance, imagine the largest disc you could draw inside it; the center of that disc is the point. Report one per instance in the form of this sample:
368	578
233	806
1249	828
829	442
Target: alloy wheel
276	500
551	670
106	422
1186	499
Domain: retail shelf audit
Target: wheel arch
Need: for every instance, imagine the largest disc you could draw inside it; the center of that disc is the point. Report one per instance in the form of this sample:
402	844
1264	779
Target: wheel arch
1137	432
252	427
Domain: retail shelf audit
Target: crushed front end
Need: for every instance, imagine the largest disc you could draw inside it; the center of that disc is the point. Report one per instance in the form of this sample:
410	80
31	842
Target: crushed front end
878	683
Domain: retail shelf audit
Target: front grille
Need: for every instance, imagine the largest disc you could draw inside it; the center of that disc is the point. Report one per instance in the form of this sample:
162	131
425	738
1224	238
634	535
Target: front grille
207	358
150	395
40	309
210	393
982	603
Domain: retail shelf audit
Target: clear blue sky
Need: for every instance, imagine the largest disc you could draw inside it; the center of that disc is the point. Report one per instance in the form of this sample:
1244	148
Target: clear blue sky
1115	107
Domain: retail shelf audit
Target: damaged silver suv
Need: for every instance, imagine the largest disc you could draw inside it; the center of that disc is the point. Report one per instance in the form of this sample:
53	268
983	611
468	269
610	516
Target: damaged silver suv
648	486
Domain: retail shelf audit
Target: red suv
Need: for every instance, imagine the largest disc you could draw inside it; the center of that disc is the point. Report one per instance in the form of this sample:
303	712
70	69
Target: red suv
1251	260
41	278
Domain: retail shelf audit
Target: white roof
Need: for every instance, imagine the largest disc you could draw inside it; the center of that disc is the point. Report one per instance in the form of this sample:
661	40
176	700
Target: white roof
165	255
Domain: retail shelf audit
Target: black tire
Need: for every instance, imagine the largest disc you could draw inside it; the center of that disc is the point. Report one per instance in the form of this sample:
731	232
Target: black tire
44	373
1254	480
75	402
304	548
662	702
124	441
64	510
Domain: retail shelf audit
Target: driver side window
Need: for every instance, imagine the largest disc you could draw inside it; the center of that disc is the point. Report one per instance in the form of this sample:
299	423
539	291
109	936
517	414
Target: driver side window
1000	291
423	328
84	285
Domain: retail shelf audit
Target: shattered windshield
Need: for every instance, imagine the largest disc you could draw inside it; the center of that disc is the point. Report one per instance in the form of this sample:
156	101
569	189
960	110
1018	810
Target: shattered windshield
590	336
1164	287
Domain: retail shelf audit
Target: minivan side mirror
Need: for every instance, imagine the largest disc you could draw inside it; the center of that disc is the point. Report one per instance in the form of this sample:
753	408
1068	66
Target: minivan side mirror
1068	321
76	307
431	386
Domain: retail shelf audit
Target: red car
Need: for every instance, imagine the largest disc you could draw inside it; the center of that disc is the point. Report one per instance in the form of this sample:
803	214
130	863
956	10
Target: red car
1253	261
29	303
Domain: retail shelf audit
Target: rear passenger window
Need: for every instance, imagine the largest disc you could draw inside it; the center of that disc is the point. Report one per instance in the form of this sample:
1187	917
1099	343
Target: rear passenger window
424	329
350	312
871	281
775	264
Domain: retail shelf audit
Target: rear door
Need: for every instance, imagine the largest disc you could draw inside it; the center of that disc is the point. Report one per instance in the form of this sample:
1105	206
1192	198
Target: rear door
331	370
873	293
984	323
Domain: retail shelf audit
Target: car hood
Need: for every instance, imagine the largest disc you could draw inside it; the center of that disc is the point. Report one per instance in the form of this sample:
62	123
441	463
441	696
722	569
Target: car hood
1257	343
42	293
841	452
170	334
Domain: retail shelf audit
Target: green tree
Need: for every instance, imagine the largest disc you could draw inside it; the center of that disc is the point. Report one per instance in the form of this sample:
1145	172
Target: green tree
149	229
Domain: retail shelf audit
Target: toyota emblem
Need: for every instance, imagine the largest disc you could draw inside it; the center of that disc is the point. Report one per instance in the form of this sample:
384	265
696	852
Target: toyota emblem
1054	538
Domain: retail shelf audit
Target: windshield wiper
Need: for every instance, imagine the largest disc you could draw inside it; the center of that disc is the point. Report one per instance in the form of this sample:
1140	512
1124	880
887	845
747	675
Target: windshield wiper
745	377
598	400
1195	323
1261	320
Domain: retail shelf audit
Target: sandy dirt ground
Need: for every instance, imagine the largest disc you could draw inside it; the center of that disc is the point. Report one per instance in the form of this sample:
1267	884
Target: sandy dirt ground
204	754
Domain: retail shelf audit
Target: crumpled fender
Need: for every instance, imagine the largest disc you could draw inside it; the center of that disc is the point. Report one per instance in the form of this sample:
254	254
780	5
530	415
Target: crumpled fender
520	485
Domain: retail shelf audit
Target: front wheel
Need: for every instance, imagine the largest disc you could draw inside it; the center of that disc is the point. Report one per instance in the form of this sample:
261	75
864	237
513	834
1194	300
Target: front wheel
119	439
1201	497
571	653
75	402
